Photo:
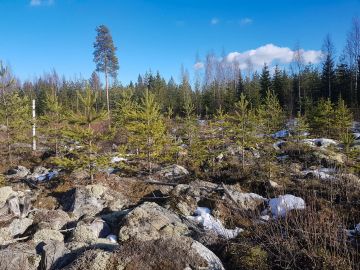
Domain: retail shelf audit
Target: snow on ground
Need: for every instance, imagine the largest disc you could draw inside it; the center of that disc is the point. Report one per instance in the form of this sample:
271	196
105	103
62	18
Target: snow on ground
277	145
117	159
45	176
208	222
320	142
281	205
354	232
322	173
281	134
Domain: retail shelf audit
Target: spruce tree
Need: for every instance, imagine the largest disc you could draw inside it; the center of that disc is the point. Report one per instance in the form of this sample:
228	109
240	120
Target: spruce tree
244	128
328	70
84	153
271	114
342	119
321	119
265	81
147	129
271	119
15	113
53	121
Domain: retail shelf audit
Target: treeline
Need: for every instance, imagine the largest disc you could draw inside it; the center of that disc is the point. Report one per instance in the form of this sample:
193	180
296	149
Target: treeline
143	128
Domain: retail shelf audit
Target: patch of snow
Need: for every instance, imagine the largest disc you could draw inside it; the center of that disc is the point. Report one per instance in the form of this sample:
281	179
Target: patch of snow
322	173
354	232
265	217
118	159
220	157
281	134
274	184
202	122
357	228
281	205
277	145
208	222
320	142
44	176
112	238
282	157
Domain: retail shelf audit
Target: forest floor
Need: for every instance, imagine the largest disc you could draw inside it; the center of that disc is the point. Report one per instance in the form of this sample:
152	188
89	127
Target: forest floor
294	205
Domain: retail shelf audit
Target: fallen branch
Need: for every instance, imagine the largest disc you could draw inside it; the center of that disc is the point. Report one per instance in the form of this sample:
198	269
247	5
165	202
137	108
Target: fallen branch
67	230
152	182
16	240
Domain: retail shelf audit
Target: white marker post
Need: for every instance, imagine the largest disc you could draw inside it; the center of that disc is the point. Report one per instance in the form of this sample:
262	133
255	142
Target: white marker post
34	126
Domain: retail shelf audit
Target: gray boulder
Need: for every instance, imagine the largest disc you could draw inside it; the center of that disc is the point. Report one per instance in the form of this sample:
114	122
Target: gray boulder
150	221
92	199
19	225
51	255
51	219
172	172
90	231
246	201
19	256
44	235
177	253
17	173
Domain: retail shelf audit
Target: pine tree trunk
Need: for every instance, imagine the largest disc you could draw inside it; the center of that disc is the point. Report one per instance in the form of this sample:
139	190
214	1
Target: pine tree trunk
107	94
7	125
299	94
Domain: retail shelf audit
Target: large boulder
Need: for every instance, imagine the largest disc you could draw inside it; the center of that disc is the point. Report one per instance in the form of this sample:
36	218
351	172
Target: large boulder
90	231
92	199
17	173
19	256
51	219
5	193
19	226
150	221
14	203
172	172
176	253
246	201
52	253
184	199
44	235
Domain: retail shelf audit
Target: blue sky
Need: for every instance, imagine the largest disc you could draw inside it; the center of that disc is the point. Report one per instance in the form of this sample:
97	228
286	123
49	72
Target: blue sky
38	35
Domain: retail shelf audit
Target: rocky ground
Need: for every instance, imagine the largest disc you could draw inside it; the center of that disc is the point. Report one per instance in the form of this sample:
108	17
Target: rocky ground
170	219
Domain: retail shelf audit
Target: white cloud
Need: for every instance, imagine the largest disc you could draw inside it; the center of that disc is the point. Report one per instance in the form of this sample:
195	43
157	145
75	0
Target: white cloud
270	54
35	3
214	21
198	65
246	21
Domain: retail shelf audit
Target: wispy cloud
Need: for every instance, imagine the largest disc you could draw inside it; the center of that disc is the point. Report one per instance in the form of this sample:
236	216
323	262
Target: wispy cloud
36	3
214	21
245	21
